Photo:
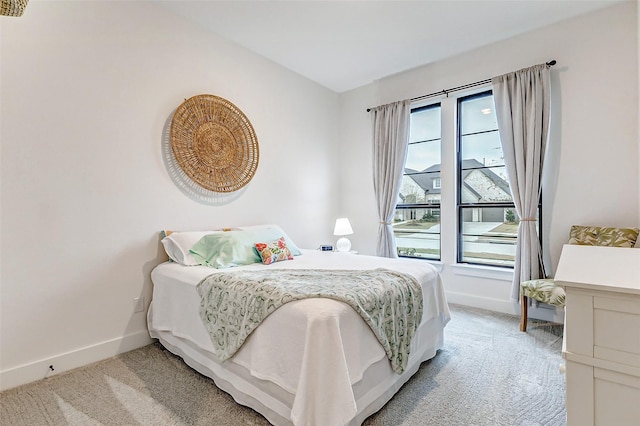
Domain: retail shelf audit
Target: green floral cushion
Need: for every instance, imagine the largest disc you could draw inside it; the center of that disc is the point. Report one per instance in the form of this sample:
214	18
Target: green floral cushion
599	236
544	290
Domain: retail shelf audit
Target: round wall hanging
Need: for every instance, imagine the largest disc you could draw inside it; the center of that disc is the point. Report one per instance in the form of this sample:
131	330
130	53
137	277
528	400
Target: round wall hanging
214	143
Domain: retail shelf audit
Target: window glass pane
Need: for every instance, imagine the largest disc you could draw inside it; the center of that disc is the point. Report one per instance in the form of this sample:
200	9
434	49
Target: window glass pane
489	235
417	232
481	149
423	155
425	124
478	115
485	185
417	228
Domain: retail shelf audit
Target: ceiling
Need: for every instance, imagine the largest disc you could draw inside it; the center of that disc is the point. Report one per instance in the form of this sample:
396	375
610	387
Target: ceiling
347	44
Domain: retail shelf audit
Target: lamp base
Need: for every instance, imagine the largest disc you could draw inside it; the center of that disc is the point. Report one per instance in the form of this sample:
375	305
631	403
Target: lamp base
343	244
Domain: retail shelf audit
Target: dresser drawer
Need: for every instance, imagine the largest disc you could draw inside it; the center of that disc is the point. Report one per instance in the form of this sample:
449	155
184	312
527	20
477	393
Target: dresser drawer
616	329
616	398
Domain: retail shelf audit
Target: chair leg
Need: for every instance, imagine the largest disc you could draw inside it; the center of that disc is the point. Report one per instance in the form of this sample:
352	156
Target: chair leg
524	303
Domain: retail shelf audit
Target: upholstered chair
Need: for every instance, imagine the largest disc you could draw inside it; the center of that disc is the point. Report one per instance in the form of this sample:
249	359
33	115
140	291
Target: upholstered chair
546	291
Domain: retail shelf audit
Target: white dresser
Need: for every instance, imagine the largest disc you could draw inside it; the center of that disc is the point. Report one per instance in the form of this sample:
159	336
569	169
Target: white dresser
602	334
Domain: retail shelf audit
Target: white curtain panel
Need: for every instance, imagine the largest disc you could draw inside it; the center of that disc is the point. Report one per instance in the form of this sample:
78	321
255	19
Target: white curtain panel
522	101
390	141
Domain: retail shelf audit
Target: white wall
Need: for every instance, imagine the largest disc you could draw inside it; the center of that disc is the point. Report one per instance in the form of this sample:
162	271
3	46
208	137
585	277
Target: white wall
592	172
87	91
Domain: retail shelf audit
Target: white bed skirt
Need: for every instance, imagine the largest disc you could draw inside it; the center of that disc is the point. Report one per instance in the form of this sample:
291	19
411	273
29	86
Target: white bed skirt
378	385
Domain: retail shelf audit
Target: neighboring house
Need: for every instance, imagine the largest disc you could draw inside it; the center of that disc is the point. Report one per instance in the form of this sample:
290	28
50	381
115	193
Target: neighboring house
480	184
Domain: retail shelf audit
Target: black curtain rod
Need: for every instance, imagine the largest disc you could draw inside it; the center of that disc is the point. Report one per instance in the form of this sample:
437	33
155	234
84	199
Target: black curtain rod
464	86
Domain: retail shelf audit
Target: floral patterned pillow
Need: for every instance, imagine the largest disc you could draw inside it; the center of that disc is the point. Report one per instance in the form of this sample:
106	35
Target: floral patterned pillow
274	251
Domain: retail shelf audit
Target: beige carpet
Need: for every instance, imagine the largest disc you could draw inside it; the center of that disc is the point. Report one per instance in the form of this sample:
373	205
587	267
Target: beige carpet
488	373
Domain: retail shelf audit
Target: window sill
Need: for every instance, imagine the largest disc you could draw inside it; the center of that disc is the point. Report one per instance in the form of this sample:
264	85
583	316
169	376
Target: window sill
480	271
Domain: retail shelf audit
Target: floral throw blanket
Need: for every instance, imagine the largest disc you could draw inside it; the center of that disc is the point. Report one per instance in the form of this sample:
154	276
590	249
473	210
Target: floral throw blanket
233	304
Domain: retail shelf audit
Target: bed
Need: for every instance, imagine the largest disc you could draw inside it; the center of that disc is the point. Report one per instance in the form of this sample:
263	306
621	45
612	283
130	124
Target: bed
313	361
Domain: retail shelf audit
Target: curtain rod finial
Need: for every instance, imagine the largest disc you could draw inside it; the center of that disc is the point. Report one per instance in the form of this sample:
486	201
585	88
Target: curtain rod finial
551	62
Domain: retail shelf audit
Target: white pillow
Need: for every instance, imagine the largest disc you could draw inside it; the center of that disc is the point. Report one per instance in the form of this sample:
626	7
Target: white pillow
177	246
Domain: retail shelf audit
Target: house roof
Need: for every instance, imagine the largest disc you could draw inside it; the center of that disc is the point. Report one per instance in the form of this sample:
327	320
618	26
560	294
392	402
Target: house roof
424	178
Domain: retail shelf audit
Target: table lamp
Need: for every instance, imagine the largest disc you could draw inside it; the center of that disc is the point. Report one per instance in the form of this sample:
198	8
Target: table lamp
343	227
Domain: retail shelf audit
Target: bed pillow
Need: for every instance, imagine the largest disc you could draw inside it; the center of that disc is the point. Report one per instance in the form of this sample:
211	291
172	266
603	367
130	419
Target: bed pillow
274	251
272	232
603	236
225	250
177	245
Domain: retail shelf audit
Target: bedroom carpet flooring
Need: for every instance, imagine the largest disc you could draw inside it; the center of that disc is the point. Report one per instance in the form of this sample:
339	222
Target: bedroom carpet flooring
488	373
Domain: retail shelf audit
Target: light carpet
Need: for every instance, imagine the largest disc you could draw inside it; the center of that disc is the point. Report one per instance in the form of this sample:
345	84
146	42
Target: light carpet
488	373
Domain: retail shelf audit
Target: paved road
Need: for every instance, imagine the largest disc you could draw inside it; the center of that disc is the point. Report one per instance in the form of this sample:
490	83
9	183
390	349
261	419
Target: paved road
430	239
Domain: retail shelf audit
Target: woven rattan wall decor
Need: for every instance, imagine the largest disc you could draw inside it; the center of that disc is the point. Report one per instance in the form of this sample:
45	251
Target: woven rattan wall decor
12	7
214	143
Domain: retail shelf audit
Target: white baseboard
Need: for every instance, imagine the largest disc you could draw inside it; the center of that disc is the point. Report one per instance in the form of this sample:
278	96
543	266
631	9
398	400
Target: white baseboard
34	371
475	301
505	307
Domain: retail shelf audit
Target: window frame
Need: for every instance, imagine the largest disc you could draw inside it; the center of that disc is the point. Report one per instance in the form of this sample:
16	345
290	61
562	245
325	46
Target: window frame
428	205
461	206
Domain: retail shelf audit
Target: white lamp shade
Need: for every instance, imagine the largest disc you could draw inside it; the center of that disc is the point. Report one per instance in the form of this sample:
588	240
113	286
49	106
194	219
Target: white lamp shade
343	227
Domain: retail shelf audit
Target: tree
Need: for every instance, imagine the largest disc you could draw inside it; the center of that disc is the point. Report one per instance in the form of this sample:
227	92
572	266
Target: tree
510	216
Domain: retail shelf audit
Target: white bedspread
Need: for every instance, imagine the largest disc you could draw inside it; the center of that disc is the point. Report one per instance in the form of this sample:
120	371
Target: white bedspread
315	349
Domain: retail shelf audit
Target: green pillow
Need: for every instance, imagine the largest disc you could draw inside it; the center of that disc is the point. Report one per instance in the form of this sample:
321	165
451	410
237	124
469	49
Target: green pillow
225	250
603	236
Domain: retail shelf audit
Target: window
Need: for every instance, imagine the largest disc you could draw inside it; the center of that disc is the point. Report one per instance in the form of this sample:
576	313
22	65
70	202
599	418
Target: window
416	226
487	221
469	187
